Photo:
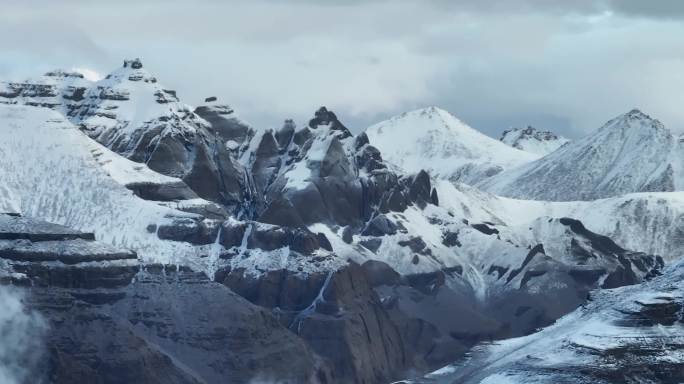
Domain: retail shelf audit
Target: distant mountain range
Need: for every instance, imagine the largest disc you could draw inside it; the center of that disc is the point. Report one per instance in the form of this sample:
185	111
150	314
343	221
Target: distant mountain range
630	153
163	242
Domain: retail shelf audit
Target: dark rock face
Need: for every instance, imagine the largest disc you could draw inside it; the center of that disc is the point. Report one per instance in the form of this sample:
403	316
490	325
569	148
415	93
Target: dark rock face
439	321
215	175
324	242
191	230
416	244
325	117
346	324
484	228
162	192
144	334
240	343
270	239
419	188
319	173
340	317
63	251
380	226
372	244
15	227
450	239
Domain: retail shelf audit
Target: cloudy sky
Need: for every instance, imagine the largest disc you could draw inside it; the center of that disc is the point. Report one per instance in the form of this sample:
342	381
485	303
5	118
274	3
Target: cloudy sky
566	66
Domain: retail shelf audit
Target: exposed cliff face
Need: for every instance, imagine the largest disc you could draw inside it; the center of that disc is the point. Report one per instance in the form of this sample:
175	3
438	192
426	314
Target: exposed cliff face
111	320
343	318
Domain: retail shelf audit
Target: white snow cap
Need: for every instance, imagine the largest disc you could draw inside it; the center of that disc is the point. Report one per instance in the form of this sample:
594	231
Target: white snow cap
435	140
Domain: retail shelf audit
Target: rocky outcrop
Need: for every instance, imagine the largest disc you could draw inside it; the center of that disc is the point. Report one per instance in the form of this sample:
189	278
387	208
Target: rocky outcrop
321	173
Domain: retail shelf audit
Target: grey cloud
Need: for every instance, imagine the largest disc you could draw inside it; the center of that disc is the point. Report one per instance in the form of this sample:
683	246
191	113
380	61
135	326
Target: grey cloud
666	9
22	335
564	65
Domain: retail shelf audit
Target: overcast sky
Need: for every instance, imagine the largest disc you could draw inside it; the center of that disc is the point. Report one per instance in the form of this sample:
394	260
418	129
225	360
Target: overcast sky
567	66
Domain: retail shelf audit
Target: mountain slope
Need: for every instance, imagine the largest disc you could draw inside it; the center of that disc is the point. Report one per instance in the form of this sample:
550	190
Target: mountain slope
435	140
628	334
532	140
645	222
630	153
68	186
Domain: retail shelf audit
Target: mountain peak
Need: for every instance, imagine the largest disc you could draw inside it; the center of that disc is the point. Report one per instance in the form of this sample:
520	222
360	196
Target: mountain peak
323	117
433	139
635	119
326	118
636	112
533	140
133	63
447	119
132	70
431	111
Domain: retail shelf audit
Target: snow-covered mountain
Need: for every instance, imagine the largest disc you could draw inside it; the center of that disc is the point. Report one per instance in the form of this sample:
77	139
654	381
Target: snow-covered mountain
631	153
132	114
399	223
435	140
371	269
533	140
